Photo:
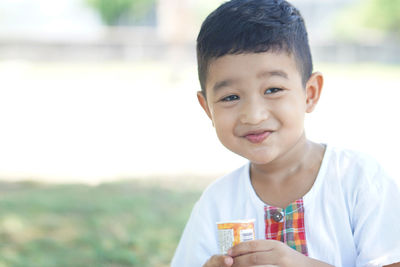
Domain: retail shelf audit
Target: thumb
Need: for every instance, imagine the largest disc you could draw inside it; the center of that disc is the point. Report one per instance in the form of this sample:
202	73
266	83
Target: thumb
219	261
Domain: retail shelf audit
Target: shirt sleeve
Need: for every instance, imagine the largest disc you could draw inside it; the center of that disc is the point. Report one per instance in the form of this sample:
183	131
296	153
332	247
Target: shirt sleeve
376	221
198	242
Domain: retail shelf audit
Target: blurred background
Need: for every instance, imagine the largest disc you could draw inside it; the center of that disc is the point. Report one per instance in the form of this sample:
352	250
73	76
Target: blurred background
103	147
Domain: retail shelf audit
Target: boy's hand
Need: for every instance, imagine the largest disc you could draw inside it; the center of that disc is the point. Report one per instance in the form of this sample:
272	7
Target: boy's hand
219	261
269	253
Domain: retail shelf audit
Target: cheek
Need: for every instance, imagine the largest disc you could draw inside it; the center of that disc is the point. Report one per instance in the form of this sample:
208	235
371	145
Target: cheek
224	124
292	113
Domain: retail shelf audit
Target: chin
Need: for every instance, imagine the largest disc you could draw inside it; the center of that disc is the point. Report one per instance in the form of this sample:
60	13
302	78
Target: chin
260	162
263	159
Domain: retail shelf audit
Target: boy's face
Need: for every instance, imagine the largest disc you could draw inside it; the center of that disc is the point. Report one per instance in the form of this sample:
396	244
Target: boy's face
257	103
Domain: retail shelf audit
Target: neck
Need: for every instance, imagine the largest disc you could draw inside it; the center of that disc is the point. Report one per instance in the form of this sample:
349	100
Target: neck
283	168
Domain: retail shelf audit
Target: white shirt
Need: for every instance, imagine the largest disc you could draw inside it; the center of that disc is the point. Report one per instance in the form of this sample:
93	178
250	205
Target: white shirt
351	214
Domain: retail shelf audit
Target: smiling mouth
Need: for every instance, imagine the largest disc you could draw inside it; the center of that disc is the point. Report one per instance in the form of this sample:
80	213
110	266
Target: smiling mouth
257	138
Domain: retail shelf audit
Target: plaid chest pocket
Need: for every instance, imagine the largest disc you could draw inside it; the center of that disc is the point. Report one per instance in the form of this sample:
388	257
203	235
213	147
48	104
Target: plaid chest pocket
287	225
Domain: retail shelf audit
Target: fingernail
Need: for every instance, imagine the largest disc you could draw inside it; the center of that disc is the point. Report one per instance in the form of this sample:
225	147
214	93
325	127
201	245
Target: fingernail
228	261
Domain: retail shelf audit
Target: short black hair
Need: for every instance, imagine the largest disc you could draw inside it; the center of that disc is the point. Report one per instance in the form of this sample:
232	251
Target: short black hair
253	26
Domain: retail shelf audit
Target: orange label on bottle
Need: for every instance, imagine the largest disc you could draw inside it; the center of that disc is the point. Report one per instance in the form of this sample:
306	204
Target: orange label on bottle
234	232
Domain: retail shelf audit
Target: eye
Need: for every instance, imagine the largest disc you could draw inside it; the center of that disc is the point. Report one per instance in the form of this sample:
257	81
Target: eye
272	90
230	98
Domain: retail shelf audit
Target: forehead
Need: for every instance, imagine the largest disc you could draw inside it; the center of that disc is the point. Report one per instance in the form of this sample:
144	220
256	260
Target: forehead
242	67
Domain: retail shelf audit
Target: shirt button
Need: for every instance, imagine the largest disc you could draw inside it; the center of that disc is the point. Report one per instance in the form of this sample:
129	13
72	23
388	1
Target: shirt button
277	216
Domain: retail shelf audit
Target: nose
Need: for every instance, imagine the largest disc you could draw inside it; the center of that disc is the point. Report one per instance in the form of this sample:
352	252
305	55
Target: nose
254	111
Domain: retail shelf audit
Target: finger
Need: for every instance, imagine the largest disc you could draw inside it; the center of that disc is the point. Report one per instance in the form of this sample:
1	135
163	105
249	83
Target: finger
268	258
252	246
219	261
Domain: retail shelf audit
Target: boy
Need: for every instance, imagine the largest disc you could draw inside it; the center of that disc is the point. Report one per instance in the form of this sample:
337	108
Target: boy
314	205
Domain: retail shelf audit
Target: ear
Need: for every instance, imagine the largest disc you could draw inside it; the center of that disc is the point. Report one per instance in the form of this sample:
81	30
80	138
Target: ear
203	103
313	90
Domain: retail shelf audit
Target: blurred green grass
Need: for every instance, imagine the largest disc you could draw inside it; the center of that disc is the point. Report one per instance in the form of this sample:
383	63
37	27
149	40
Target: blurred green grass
133	223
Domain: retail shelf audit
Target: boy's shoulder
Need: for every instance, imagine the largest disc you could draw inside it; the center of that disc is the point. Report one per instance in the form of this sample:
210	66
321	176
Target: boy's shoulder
349	159
231	179
234	183
354	169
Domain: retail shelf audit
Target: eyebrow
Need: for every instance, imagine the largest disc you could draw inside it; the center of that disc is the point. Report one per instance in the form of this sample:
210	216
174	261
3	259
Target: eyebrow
279	73
224	83
229	82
